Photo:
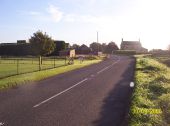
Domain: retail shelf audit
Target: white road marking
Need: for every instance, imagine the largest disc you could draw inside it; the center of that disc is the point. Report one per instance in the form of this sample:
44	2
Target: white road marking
92	75
115	62
107	67
37	105
102	70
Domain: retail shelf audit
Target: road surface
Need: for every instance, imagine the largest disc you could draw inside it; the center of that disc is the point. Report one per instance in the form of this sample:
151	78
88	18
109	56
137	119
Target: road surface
96	95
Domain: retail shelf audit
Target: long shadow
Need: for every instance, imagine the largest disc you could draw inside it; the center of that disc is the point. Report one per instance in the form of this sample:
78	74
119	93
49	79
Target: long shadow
116	106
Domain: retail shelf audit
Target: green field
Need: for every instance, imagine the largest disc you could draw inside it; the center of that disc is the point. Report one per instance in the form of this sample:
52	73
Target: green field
30	68
151	97
165	59
19	65
14	66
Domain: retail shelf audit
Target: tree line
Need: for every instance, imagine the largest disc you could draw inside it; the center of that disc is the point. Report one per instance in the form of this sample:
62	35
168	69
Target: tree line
95	47
41	44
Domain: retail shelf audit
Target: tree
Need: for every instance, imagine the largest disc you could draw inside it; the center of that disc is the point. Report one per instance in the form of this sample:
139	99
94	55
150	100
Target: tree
104	46
84	49
76	47
41	44
96	47
60	45
111	47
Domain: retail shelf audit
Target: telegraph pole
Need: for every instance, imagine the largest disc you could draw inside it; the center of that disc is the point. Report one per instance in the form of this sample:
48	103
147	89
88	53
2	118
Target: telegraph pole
98	40
97	37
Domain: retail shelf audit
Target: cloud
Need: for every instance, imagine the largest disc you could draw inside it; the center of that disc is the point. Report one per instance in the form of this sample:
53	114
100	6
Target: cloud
98	20
30	13
92	2
70	18
55	13
51	13
34	13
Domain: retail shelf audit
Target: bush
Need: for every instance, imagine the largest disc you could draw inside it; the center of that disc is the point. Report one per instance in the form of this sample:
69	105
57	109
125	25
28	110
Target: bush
125	52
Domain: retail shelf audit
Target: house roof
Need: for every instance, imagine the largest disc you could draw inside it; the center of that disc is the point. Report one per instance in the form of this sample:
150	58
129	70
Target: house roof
131	42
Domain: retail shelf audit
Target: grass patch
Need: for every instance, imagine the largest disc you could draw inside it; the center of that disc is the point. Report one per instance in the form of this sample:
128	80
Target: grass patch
165	59
18	65
152	91
36	76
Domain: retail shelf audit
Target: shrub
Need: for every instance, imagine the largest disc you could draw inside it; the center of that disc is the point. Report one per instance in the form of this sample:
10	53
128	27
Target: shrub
125	52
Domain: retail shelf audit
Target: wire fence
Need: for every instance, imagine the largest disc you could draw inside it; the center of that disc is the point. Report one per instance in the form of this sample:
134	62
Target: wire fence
10	66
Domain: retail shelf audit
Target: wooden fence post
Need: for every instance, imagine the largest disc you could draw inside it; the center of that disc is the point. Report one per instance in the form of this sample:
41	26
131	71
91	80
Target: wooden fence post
54	62
17	66
40	62
65	60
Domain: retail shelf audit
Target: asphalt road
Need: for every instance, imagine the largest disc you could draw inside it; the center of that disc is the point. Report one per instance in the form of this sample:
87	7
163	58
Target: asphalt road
97	95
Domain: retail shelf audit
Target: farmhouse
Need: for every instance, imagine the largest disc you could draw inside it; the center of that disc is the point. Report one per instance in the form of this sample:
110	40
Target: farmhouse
133	45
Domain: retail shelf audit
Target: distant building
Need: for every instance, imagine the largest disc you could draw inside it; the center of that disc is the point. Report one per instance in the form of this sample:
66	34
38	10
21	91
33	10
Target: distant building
14	43
21	48
133	45
67	52
21	42
84	49
159	52
98	53
6	44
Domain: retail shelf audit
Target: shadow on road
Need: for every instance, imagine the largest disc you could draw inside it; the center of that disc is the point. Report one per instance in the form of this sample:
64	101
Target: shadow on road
116	105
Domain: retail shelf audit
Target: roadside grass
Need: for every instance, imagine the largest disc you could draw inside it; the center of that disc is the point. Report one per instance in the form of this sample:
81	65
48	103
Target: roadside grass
14	81
150	104
165	59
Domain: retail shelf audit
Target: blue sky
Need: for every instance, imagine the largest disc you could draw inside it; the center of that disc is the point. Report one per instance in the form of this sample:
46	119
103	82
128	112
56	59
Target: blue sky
76	21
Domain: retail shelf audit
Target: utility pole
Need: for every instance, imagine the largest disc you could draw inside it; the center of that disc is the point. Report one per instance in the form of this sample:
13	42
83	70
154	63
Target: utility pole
98	40
97	37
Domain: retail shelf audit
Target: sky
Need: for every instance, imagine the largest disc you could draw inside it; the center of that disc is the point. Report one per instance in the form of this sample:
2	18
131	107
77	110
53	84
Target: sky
77	21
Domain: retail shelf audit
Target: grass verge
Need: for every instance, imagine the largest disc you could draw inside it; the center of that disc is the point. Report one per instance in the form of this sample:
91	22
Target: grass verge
151	97
36	76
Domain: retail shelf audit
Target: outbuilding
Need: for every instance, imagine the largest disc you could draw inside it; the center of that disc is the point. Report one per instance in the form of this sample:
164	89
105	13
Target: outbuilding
68	53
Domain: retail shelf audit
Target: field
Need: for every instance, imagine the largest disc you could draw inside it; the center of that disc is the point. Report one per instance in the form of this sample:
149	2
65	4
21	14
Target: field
165	59
28	69
151	97
15	66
